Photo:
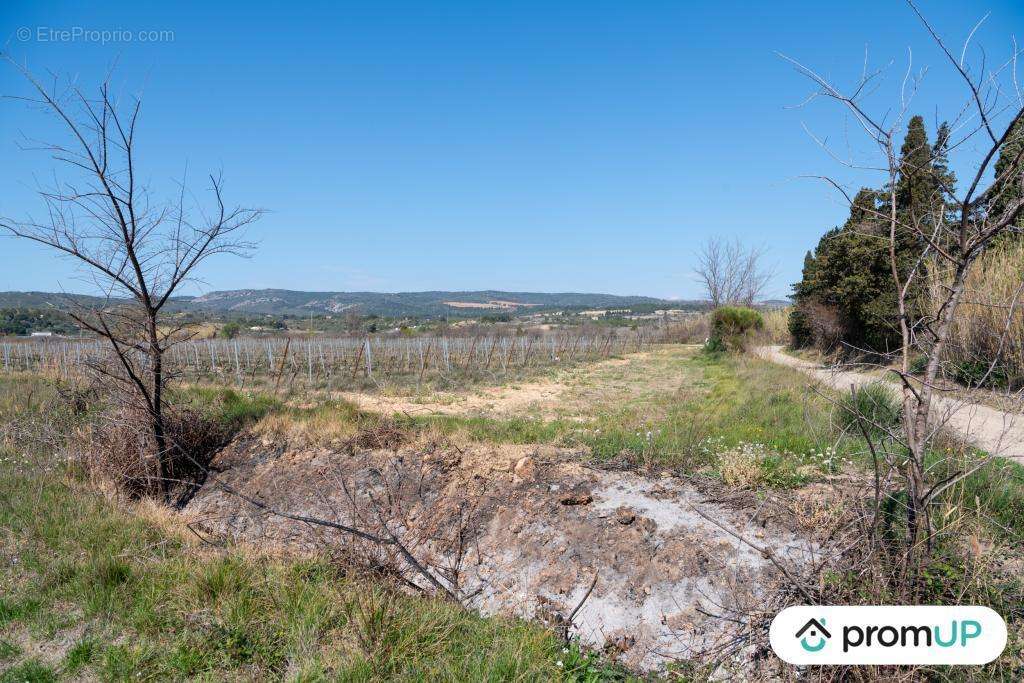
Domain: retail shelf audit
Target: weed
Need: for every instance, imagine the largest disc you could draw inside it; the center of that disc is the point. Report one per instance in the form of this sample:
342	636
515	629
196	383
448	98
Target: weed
31	671
82	654
753	466
8	650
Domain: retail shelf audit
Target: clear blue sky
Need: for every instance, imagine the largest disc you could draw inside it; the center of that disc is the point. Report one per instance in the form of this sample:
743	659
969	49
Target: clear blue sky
571	146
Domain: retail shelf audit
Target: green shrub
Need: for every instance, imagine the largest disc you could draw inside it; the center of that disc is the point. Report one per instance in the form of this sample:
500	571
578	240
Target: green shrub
979	373
731	327
974	372
714	346
230	330
800	332
876	403
918	365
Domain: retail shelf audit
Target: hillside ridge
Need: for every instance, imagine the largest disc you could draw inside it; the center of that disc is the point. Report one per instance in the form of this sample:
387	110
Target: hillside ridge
428	303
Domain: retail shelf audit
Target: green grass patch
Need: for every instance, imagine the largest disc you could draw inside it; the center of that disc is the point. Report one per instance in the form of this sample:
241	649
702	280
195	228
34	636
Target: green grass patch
995	492
232	409
81	655
8	650
874	408
515	430
733	400
154	608
31	671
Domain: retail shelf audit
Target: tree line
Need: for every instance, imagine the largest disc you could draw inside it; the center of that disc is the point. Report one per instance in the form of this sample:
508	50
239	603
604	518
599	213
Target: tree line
846	300
23	321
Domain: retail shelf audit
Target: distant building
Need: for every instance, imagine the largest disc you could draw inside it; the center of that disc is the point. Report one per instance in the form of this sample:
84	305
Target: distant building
41	334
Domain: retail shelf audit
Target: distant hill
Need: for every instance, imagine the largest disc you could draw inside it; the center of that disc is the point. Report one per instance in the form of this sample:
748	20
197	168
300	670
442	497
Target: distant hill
44	300
401	304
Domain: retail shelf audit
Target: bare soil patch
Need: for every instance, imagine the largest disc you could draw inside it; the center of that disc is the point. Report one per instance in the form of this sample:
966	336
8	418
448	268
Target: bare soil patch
493	303
525	531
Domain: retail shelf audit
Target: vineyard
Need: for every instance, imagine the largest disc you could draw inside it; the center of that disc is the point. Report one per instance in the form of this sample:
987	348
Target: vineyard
342	362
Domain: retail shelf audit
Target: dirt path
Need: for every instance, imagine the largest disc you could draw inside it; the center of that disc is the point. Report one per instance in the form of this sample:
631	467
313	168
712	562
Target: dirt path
994	431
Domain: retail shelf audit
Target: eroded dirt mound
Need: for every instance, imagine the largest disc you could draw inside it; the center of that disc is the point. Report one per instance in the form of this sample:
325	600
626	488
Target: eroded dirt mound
520	530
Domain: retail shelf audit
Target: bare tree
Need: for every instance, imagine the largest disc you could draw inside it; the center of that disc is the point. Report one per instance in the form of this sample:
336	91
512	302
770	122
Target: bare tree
731	272
952	233
137	251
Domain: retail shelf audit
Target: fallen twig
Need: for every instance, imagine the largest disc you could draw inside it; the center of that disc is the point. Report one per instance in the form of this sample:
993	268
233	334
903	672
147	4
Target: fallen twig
765	552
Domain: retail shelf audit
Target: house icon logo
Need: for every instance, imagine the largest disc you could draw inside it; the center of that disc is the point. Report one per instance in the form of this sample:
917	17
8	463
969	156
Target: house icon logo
815	632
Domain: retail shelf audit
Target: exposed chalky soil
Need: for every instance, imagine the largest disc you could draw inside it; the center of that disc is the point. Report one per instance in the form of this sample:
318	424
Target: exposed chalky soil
521	530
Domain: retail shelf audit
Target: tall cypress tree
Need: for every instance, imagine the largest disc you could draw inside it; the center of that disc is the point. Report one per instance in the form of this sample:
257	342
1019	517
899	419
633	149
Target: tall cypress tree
1008	188
940	154
916	189
799	322
945	179
849	277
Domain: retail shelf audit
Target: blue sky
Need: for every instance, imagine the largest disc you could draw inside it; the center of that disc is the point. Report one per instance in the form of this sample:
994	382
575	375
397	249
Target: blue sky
573	146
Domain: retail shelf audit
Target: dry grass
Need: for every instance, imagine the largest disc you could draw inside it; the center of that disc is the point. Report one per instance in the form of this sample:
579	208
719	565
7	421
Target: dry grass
694	329
776	325
697	328
332	423
990	321
116	448
739	468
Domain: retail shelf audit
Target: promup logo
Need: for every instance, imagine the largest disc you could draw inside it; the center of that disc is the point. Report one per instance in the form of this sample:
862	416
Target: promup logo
888	635
815	632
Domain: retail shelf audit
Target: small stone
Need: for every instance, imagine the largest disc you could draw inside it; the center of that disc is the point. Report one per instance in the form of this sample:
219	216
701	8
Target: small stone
577	498
625	516
648	525
525	467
